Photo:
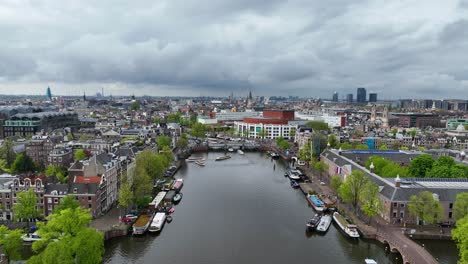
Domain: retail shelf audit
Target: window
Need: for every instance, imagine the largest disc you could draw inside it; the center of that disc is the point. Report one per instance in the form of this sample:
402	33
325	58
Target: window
55	200
402	205
89	205
395	204
450	215
394	214
49	200
402	215
89	198
451	205
7	195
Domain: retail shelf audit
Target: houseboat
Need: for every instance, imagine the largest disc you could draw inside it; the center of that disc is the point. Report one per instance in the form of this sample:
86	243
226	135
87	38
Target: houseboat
157	223
349	229
142	224
157	200
316	203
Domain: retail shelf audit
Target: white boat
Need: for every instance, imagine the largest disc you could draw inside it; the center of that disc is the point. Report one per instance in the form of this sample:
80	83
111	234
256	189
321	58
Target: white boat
31	237
316	203
347	228
293	175
370	261
324	223
223	158
158	222
194	159
240	152
157	200
230	149
200	163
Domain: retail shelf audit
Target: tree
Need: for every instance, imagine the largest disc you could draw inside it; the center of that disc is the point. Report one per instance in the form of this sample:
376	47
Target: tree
11	242
125	195
420	165
135	106
317	125
351	188
26	206
304	152
333	141
412	133
182	143
362	147
394	132
23	163
321	167
460	206
371	204
164	141
80	155
336	182
198	130
174	117
262	134
7	153
67	202
346	146
460	236
60	172
282	143
425	207
66	238
383	147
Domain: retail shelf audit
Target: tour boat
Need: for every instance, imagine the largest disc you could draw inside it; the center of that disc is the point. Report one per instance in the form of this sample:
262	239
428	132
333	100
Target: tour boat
225	157
240	152
349	229
157	223
294	184
142	224
178	184
324	223
200	163
32	237
177	198
313	222
316	203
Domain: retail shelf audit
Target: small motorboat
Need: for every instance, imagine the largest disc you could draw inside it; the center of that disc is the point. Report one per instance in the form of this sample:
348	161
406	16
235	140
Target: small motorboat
294	184
172	210
313	222
225	157
200	163
169	219
370	261
230	149
240	152
177	198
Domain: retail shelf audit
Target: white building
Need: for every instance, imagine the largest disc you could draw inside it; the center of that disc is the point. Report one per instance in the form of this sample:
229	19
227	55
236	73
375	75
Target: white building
331	120
272	131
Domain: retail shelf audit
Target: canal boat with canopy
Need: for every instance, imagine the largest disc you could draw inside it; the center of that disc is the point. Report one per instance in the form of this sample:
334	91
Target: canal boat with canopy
316	203
157	223
349	229
178	184
157	200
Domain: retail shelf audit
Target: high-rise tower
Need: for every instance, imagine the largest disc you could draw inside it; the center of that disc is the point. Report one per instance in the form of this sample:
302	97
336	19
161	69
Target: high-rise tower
361	95
49	94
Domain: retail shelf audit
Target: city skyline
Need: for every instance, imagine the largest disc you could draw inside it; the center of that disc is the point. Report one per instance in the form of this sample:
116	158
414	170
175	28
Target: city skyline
212	49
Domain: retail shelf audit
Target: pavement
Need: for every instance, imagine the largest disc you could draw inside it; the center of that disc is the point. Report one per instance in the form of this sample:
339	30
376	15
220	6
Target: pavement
109	220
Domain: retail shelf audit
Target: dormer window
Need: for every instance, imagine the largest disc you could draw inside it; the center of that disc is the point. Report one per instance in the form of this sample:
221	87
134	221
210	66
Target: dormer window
75	190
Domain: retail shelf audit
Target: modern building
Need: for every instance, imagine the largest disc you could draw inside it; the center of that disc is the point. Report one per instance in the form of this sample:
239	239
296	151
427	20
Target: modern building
372	97
420	120
361	95
273	124
335	97
349	98
452	124
30	123
330	119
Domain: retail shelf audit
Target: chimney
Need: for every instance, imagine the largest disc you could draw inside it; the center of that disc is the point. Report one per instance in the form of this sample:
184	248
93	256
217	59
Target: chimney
397	181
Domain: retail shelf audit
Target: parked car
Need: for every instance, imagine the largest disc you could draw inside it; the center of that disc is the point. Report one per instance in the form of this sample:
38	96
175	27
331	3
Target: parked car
131	216
127	220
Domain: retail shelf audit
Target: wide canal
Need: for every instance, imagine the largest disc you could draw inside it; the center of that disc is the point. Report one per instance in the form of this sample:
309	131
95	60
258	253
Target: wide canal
241	210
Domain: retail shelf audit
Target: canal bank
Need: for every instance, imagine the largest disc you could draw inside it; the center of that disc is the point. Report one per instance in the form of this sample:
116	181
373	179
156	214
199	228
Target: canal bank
241	210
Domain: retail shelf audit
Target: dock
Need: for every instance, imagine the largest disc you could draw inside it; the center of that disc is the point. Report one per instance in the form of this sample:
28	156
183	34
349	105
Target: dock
306	188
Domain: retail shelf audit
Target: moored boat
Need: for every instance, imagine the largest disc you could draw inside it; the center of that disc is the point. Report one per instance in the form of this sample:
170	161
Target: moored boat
240	152
370	261
274	155
324	223
225	157
178	184
142	224
177	198
316	203
157	223
294	184
349	229
200	163
230	149
293	175
31	237
313	222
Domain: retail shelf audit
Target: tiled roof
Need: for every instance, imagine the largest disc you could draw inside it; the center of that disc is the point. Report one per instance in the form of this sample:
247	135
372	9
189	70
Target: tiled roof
91	179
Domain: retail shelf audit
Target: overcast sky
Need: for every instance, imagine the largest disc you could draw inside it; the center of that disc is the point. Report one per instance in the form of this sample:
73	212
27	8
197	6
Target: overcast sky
397	48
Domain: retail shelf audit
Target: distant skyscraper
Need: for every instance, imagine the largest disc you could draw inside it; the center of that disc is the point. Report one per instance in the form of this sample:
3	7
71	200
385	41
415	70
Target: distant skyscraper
49	94
335	97
349	98
372	97
361	95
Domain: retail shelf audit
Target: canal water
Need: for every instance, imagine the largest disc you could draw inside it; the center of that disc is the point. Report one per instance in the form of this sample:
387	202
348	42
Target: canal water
241	210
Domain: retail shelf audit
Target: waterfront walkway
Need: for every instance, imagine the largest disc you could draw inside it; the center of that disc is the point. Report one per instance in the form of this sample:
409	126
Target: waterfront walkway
393	236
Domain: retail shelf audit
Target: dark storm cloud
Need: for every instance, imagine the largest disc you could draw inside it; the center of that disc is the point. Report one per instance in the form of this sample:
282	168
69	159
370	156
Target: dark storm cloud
302	47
